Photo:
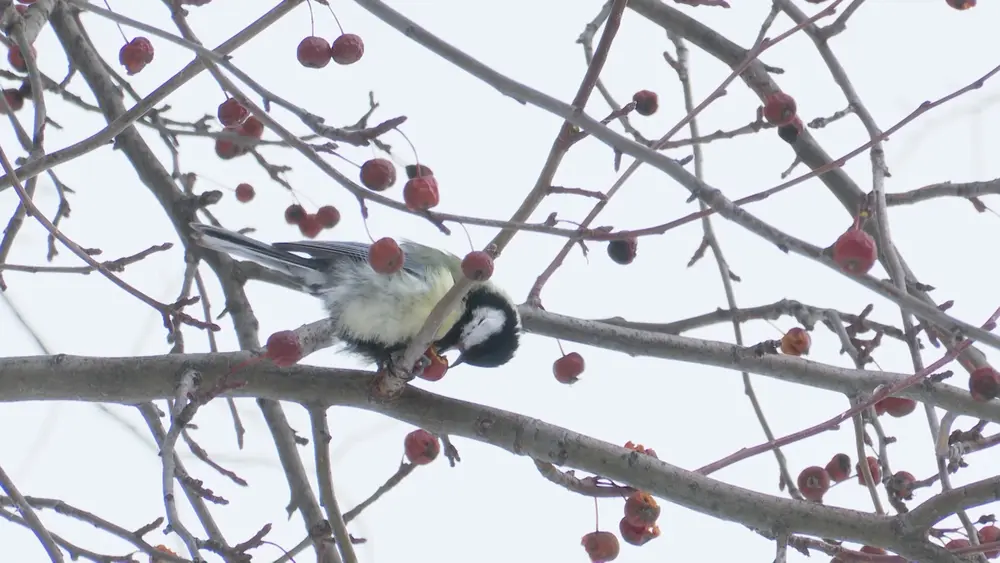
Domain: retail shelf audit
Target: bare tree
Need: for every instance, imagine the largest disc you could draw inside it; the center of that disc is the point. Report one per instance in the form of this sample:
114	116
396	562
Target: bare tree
174	386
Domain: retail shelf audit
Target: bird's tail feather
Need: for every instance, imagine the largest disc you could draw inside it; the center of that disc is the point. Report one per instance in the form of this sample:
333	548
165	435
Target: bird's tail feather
235	244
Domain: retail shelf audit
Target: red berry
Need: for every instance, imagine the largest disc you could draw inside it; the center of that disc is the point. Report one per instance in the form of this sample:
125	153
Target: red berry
839	467
623	251
872	550
244	192
226	149
14	99
637	535
437	368
873	467
646	102
378	174
779	108
855	252
961	4
136	54
796	342
568	368
639	448
901	485
897	407
641	510
421	194
421	447
283	348
16	59
252	127
328	216
310	225
232	113
984	383
477	266
990	534
601	546
814	482
313	52
385	256
957	543
347	49
294	214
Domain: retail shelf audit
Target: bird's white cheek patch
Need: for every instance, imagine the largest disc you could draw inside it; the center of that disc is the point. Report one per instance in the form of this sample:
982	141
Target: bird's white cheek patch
486	321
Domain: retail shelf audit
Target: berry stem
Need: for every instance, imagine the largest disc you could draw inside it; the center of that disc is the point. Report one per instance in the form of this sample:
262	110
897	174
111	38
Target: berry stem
559	343
345	159
312	19
364	222
335	18
413	148
597	516
468	237
775	326
120	30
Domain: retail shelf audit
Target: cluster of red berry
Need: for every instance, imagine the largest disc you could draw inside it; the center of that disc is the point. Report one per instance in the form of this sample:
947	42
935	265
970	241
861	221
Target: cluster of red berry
316	52
637	526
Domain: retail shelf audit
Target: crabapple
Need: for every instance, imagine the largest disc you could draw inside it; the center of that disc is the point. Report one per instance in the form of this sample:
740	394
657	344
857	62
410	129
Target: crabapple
568	368
855	252
283	348
385	256
421	447
477	266
814	482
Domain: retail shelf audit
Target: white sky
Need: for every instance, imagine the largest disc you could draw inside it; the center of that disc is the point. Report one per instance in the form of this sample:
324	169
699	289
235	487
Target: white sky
486	151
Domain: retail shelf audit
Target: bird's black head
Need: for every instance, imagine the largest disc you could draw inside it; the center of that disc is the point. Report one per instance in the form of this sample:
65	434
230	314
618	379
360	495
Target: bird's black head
488	333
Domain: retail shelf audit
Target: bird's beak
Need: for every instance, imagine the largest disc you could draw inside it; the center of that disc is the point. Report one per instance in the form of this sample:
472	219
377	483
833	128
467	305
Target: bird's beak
460	359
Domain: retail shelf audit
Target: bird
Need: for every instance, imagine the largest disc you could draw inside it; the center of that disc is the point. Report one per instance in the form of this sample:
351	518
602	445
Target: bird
374	315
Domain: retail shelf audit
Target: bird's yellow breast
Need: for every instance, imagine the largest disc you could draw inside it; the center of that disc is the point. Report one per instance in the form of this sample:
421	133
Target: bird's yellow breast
396	313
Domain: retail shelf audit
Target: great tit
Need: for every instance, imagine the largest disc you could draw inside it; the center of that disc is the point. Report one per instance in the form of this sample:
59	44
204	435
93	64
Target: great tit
375	315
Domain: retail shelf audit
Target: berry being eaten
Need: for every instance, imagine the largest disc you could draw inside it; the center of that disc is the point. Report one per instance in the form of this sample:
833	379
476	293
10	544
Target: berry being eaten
779	108
623	251
855	252
421	193
641	510
637	535
328	216
232	113
437	368
790	132
477	266
347	49
839	467
814	482
568	368
378	174
244	192
385	256
646	102
135	55
283	348
601	546
901	485
421	447
796	342
313	52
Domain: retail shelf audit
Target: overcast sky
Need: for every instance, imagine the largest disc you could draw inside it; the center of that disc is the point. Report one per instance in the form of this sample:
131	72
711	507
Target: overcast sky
486	151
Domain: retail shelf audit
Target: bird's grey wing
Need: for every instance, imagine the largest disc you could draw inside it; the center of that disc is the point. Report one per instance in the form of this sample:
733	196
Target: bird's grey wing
339	250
